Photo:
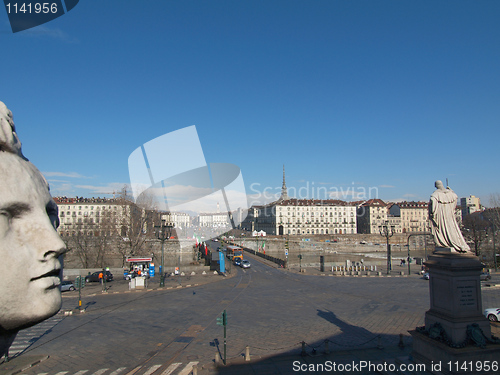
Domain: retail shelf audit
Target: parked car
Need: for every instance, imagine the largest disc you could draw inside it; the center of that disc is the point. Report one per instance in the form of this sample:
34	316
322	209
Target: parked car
245	264
485	276
129	276
67	285
493	315
95	277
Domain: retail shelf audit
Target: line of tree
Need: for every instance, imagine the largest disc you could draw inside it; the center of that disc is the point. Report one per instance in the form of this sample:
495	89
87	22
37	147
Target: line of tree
481	228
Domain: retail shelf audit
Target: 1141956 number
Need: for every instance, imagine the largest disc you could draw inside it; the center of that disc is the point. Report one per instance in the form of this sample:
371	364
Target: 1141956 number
479	366
31	8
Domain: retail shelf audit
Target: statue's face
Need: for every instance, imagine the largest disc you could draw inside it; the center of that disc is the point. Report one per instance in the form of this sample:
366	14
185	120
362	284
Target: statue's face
30	247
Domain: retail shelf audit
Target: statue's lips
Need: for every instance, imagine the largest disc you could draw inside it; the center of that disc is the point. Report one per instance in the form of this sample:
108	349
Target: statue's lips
51	278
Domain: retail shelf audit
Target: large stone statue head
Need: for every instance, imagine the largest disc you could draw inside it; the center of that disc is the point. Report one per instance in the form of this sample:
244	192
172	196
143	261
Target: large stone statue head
30	247
439	185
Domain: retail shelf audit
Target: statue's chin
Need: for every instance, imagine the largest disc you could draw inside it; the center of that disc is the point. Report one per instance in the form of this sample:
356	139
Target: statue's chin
46	305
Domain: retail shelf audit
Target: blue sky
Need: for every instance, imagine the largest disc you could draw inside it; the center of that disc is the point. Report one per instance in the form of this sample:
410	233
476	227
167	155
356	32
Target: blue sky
387	95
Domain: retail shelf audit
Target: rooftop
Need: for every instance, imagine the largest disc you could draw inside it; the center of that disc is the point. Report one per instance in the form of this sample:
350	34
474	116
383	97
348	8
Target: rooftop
59	200
314	202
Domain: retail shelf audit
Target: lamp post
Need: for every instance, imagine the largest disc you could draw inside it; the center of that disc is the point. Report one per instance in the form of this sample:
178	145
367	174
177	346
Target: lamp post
162	234
427	233
387	231
408	246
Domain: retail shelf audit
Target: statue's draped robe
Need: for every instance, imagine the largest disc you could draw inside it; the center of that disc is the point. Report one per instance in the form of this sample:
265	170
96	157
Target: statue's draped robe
444	224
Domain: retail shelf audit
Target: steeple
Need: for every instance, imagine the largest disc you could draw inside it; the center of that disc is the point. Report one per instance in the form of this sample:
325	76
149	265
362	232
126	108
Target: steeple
284	193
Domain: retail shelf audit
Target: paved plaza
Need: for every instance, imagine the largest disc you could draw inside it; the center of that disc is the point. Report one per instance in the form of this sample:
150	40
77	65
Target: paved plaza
270	310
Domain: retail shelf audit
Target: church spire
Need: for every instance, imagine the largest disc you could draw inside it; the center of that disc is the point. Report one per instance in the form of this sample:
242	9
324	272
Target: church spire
284	193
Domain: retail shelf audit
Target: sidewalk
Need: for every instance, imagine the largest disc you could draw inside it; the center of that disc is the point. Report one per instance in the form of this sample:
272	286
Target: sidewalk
315	271
152	284
346	361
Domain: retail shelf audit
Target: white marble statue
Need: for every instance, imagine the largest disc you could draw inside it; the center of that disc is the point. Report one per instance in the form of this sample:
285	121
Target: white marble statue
30	247
8	136
444	224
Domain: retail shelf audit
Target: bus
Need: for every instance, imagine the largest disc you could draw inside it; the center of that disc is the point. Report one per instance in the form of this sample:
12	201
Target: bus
234	252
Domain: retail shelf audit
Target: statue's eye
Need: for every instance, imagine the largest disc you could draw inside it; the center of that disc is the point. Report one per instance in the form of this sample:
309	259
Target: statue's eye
52	213
15	210
5	220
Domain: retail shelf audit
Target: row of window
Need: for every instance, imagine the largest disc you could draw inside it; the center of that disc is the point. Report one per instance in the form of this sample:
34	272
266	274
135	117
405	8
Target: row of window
88	221
320	231
92	207
335	221
318	208
88	233
85	214
312	214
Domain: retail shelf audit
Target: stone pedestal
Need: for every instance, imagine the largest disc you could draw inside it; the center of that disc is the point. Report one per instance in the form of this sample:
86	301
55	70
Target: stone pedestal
455	328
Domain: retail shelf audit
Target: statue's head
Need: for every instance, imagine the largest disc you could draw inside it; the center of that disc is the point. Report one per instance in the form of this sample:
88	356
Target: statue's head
439	184
30	247
8	136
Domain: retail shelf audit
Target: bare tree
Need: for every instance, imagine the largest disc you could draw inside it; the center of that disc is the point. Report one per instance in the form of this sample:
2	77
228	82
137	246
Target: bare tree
80	246
136	224
492	214
91	246
474	229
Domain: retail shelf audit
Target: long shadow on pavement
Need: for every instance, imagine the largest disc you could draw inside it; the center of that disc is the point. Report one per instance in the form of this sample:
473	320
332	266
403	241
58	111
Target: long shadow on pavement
352	347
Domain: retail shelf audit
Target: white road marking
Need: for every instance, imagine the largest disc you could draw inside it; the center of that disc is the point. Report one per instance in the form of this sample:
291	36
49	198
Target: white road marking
189	367
170	369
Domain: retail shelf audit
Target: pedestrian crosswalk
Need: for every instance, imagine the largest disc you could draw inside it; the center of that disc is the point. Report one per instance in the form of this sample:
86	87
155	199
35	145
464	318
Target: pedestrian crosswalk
28	337
177	368
188	369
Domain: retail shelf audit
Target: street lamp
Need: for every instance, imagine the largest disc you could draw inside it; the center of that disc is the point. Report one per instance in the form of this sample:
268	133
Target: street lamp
162	233
387	231
427	233
408	246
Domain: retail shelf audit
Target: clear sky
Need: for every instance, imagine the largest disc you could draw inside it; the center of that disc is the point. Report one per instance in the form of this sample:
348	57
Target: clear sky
381	95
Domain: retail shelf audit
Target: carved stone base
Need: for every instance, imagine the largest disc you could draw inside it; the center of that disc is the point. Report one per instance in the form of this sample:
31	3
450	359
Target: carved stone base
455	329
440	358
455	294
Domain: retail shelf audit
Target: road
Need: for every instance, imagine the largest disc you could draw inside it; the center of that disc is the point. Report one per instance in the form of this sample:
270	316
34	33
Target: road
269	309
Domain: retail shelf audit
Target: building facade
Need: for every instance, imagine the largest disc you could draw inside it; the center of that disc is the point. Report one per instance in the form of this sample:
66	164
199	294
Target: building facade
414	216
94	216
213	220
371	216
180	220
470	205
306	217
